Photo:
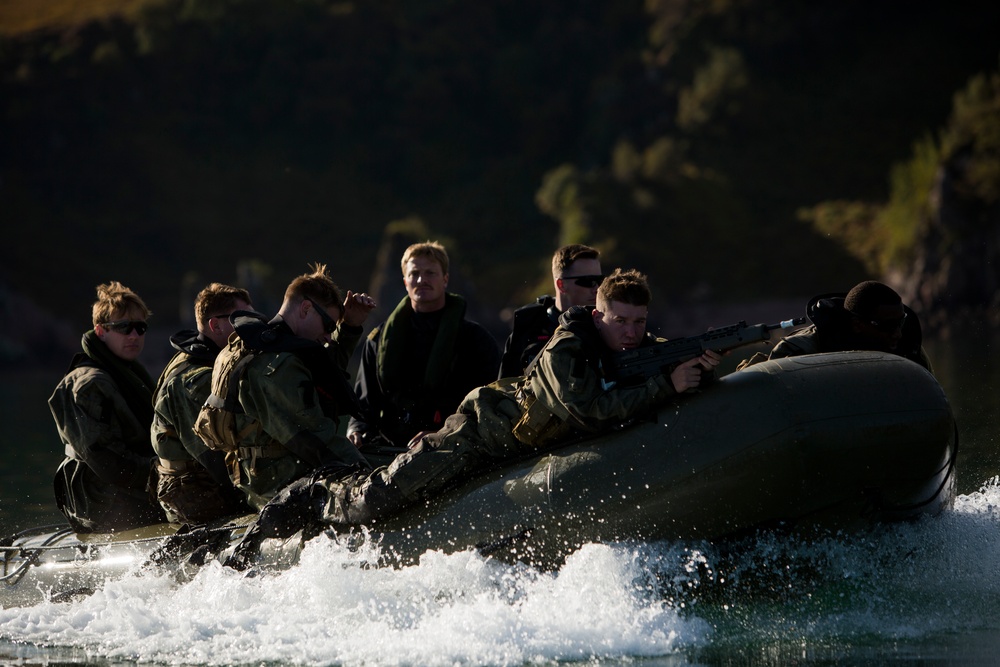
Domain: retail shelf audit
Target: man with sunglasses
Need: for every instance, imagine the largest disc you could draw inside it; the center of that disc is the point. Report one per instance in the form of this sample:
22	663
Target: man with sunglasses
576	275
871	316
193	484
103	409
283	382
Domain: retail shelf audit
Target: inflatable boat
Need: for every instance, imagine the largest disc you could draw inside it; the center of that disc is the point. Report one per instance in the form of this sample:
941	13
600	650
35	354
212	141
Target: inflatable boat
836	441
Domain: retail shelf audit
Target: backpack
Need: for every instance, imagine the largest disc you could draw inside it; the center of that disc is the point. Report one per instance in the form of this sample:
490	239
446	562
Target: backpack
216	423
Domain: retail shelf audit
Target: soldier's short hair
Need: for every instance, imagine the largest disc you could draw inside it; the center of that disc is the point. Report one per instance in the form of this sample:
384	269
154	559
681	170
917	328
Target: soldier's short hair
866	297
431	249
317	286
217	299
629	287
114	300
564	257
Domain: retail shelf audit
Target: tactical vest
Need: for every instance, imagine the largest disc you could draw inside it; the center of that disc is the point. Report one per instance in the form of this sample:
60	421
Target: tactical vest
532	329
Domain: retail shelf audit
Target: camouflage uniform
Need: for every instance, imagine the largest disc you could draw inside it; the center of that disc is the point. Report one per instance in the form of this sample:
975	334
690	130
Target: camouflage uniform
102	412
830	331
290	395
566	394
193	485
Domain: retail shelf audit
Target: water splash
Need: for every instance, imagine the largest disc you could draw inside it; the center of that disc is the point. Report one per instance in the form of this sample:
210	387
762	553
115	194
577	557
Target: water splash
332	609
768	600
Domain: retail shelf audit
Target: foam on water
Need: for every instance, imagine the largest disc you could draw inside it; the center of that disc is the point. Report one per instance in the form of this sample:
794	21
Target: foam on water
905	583
448	609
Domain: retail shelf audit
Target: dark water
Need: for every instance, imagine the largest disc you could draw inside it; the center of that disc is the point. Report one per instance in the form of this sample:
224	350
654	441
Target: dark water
925	594
32	450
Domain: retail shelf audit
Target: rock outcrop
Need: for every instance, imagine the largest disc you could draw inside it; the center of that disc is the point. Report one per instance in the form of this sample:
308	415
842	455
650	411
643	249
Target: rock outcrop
955	276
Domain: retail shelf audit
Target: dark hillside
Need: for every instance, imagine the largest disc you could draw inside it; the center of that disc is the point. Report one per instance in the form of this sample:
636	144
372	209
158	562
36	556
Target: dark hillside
206	139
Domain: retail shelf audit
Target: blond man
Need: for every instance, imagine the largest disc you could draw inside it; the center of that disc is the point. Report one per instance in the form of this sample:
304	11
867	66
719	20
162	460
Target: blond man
102	409
418	365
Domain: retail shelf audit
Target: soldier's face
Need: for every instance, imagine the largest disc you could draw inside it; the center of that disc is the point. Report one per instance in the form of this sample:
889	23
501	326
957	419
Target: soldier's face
219	326
883	331
317	322
124	345
586	270
425	284
621	325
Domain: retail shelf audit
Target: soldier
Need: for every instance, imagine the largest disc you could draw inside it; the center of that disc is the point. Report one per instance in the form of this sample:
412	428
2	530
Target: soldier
418	365
103	408
871	316
278	389
193	484
565	394
576	275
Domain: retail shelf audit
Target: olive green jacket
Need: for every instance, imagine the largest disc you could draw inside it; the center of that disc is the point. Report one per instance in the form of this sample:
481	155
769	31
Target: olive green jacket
179	399
292	435
98	428
569	380
177	404
102	483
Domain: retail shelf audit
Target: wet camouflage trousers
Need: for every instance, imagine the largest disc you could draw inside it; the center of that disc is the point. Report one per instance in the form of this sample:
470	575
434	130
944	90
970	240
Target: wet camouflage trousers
474	439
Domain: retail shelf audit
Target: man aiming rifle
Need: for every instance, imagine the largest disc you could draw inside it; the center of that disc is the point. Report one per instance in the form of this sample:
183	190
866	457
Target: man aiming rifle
649	361
565	394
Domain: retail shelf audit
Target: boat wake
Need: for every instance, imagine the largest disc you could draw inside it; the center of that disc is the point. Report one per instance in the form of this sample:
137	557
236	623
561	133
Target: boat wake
894	588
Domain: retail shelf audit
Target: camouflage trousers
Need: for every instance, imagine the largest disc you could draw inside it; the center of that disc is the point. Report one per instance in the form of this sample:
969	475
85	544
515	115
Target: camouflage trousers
191	496
472	440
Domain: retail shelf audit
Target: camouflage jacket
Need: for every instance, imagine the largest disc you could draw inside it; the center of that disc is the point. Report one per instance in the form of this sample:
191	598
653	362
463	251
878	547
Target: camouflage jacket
568	378
98	428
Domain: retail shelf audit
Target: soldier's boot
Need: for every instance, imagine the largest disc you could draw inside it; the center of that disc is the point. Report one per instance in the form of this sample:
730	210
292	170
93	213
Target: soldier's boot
297	507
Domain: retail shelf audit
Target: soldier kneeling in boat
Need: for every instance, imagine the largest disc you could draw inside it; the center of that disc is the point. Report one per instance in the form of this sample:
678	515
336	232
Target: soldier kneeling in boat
871	316
565	393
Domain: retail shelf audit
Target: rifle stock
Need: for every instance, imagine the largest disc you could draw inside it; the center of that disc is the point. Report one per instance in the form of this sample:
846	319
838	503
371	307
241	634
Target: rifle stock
660	359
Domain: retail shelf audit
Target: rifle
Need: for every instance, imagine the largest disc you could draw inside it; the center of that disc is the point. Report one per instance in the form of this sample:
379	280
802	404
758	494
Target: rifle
660	358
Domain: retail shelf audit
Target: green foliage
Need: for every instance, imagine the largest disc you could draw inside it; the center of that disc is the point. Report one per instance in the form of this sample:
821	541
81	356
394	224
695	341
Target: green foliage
715	89
886	236
974	127
203	133
856	226
902	219
560	197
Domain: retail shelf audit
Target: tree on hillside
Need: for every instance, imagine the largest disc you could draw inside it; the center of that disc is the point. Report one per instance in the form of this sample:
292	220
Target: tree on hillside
938	236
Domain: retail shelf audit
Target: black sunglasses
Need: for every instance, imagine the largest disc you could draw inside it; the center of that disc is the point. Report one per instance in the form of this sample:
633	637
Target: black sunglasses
585	281
329	324
125	327
885	326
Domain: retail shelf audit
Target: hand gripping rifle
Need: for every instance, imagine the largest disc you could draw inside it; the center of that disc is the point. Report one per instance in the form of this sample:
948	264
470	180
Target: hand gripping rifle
651	360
